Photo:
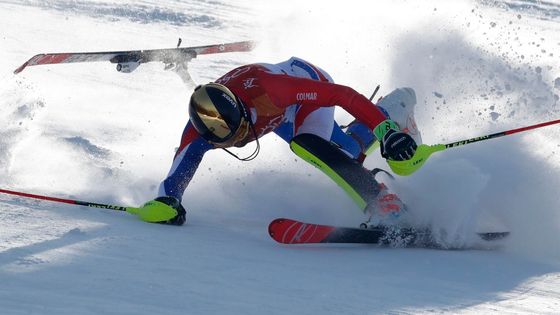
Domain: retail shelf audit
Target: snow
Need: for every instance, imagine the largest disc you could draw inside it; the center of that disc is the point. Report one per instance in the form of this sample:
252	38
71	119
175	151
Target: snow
85	131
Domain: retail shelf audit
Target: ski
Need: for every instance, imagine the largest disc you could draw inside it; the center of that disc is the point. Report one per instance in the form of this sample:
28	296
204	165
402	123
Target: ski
127	61
288	231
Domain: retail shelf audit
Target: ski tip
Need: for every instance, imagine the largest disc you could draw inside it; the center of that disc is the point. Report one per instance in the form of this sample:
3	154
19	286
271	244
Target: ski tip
272	227
31	62
251	44
20	69
276	221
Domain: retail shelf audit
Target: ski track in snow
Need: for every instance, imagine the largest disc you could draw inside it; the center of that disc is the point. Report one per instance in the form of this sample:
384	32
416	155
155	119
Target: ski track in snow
546	10
84	131
146	12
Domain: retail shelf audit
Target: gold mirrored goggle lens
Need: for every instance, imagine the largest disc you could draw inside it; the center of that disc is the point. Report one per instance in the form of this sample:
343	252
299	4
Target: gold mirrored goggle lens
237	138
209	115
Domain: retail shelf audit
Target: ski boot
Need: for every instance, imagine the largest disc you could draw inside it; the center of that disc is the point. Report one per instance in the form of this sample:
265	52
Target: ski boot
386	209
388	213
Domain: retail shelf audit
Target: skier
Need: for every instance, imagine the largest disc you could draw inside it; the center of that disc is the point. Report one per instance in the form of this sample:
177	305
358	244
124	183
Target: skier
295	100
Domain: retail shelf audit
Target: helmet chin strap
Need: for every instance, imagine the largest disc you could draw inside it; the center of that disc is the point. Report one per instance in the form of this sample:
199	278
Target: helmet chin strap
255	153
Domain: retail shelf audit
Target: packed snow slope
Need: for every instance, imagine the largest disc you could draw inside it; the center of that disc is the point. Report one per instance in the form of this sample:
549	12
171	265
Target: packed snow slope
85	131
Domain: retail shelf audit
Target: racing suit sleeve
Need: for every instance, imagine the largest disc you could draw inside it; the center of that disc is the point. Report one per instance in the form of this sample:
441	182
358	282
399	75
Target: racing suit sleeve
286	90
185	163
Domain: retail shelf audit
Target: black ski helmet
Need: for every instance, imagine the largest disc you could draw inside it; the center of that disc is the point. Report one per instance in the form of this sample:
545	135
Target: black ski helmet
215	112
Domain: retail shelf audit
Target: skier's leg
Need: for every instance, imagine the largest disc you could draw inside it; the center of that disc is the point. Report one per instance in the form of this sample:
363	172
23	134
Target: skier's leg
381	206
348	173
321	142
399	107
358	139
320	121
314	129
314	135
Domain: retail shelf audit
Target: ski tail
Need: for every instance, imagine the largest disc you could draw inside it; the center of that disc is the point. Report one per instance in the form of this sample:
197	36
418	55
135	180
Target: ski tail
492	236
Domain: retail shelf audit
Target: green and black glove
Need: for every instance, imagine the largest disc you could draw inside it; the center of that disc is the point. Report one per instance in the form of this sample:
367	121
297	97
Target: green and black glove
395	144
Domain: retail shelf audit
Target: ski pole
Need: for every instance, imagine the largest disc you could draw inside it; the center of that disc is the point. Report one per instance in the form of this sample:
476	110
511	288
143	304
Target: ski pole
374	92
500	134
149	212
70	201
424	151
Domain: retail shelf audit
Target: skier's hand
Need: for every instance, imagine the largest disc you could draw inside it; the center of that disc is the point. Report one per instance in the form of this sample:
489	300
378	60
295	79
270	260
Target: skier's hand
395	144
398	146
165	209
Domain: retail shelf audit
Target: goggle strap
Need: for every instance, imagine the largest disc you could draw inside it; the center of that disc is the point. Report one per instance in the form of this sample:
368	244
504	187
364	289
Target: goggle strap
255	153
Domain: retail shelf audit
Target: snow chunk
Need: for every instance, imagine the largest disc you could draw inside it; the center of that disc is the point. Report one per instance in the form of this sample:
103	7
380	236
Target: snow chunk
495	115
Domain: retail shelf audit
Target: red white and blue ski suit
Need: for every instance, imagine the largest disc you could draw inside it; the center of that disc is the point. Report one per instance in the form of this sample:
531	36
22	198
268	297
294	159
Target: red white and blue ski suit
289	98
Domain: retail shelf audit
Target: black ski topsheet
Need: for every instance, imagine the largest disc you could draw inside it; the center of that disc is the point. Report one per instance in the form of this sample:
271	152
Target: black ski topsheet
288	231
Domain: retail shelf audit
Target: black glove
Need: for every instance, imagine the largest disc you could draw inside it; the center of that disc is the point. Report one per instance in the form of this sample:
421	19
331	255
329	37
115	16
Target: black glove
397	146
181	216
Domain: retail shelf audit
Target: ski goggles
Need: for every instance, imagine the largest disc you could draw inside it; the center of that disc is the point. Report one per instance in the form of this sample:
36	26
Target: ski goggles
238	139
